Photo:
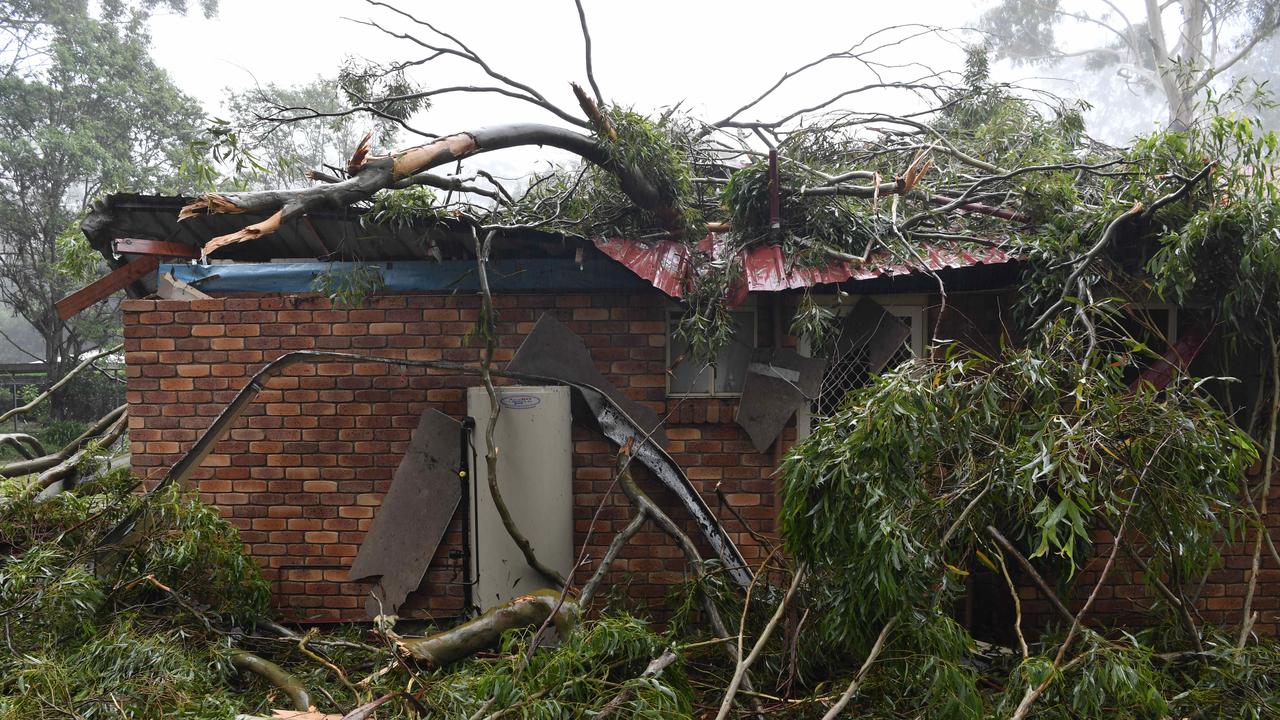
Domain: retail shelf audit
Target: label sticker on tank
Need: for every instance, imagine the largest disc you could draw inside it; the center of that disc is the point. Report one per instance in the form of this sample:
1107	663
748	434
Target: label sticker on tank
520	402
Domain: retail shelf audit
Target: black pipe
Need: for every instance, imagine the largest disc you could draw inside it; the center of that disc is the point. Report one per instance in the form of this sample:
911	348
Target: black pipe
466	468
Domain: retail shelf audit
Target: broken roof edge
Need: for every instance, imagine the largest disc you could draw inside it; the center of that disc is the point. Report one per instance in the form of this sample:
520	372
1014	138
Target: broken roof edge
666	264
339	235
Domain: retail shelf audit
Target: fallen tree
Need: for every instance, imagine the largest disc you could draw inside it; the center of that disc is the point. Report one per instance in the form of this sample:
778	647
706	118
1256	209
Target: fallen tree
944	467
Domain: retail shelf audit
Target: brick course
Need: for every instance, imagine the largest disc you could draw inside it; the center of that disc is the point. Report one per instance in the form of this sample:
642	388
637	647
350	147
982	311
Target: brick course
304	469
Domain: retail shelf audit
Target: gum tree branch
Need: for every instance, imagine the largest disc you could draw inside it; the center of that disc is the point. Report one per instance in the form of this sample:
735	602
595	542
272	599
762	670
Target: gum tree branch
495	409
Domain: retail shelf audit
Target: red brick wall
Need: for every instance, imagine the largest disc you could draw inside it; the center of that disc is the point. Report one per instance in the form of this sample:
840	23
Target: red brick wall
302	472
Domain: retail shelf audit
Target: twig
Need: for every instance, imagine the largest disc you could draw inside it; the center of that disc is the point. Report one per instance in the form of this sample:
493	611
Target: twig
744	664
1017	606
1034	694
337	671
654	668
21	409
586	40
854	684
1026	566
1246	618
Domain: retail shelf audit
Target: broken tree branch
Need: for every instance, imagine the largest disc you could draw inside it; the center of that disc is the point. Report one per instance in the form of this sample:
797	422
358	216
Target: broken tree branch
25	445
495	408
67	468
856	682
745	663
652	670
21	409
276	675
371	173
619	541
1030	570
40	464
526	611
1246	617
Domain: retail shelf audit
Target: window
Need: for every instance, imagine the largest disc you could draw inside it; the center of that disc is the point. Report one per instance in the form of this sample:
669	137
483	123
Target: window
849	370
1155	325
724	378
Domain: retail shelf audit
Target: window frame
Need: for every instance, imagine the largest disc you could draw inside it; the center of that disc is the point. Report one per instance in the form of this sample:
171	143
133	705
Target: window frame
671	315
912	306
1171	329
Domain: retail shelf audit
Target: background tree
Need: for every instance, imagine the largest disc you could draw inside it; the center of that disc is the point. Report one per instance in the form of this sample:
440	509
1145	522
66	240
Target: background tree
83	110
285	132
1173	49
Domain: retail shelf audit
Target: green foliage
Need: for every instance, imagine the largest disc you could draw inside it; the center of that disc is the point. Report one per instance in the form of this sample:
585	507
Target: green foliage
653	148
403	208
87	112
889	499
604	658
806	221
273	134
350	285
124	631
1222	247
813	321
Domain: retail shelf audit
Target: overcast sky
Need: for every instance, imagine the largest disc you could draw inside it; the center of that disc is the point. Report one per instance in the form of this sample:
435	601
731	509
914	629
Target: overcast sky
711	54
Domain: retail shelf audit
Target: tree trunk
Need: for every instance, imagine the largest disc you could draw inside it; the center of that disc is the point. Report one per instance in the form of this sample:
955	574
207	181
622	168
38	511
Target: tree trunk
370	173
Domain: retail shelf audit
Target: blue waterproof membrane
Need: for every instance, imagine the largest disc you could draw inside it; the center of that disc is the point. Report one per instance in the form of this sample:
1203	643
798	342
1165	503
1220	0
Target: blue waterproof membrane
529	275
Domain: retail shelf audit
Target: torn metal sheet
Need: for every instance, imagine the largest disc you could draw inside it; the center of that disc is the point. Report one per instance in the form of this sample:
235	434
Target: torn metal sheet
415	514
765	268
553	350
620	428
557	353
779	382
868	325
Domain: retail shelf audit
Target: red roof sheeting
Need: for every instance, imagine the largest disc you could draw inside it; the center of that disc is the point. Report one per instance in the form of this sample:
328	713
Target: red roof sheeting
665	263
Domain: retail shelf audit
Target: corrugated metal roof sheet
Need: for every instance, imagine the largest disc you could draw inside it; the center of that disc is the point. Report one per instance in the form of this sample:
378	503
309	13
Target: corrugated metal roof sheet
665	263
339	235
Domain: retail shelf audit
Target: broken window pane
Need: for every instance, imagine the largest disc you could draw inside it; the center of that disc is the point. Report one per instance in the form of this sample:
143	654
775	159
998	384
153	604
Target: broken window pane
849	370
688	376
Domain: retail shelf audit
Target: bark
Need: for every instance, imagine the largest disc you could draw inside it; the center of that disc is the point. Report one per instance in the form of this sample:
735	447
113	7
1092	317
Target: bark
40	464
465	640
67	468
276	675
25	445
372	173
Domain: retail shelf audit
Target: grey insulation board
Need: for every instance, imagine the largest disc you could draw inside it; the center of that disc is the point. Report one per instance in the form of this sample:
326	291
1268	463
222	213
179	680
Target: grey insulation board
553	350
415	514
779	382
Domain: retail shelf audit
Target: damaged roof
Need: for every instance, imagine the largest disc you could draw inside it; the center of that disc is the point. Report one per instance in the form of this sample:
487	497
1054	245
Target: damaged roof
665	263
339	235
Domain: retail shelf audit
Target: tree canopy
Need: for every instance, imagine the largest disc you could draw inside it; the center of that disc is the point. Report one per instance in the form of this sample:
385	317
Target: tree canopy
93	114
1172	49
